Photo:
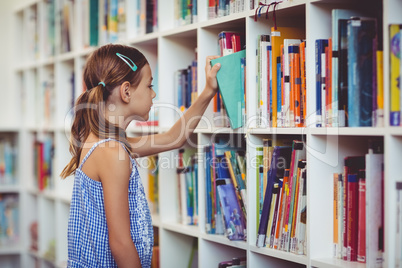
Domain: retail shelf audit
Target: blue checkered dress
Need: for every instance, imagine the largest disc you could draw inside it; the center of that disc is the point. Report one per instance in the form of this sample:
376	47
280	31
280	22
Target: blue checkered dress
88	241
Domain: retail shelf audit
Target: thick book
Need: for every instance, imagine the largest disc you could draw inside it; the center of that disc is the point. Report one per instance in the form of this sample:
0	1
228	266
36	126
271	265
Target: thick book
337	14
374	209
352	223
233	218
352	164
229	82
362	44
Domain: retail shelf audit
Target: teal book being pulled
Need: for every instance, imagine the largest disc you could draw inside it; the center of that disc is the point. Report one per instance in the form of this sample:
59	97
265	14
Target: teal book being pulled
230	86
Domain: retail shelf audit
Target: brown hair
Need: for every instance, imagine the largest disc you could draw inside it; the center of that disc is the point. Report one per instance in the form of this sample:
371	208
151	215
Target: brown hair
103	65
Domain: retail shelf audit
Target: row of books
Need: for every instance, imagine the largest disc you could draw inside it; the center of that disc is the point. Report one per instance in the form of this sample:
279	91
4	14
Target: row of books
45	101
281	83
225	182
8	161
185	12
220	8
187	181
186	86
359	208
281	198
9	219
43	155
110	21
395	52
288	67
349	88
229	103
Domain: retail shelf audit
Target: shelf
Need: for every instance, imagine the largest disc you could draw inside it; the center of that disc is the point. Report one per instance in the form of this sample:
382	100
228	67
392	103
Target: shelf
220	130
221	239
348	131
336	263
10	188
10	250
190	230
156	221
302	259
271	131
395	131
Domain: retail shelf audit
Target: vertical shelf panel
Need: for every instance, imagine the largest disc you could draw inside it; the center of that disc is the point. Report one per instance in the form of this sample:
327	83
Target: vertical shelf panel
47	228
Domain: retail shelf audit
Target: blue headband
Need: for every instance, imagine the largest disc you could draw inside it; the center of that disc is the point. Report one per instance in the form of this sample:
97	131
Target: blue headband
126	59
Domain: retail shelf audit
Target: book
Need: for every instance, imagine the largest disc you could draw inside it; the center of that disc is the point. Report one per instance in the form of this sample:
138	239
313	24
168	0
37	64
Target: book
352	224
374	208
380	89
303	101
336	15
340	216
362	42
297	207
320	45
361	232
234	221
352	164
395	49
278	231
301	242
230	86
335	214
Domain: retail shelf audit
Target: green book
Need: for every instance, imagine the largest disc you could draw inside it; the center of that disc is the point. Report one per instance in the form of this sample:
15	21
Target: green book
230	86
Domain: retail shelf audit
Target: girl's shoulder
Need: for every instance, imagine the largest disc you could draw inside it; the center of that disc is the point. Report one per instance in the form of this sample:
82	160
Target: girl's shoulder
105	157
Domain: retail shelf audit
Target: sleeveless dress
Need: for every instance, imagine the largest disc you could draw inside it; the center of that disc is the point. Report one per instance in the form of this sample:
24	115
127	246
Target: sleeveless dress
88	241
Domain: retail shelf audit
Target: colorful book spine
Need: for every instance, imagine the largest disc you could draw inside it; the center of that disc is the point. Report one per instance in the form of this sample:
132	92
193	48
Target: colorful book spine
361	233
361	44
320	45
335	214
380	89
395	50
352	211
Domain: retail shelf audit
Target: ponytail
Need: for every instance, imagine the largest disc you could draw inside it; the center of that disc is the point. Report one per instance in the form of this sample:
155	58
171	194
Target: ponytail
89	116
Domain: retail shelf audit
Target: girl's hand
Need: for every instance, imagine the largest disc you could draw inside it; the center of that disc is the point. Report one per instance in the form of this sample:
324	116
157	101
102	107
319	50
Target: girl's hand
210	73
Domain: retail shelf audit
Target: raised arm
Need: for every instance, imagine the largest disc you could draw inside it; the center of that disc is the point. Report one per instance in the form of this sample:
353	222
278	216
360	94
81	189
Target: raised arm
181	130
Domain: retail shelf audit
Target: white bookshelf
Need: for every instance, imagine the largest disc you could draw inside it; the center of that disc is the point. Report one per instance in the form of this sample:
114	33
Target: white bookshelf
169	49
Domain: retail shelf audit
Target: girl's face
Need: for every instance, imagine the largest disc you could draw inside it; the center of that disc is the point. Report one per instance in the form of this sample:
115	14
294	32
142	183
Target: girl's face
142	95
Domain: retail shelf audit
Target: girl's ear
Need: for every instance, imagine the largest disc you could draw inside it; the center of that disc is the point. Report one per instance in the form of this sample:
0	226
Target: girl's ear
125	92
